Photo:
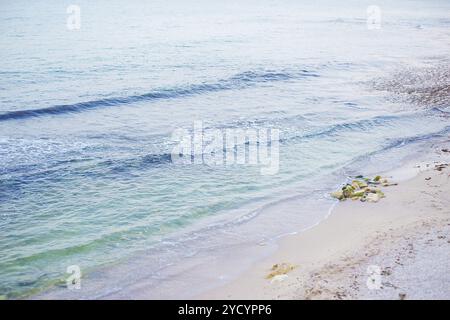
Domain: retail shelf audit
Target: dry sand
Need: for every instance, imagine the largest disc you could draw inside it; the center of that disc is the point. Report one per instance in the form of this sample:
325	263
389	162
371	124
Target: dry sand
401	245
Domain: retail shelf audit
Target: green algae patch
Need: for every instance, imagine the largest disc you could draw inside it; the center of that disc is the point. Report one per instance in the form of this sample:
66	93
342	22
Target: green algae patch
363	189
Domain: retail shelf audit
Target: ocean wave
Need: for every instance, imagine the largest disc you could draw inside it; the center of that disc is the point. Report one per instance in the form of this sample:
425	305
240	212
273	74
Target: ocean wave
403	142
239	81
124	166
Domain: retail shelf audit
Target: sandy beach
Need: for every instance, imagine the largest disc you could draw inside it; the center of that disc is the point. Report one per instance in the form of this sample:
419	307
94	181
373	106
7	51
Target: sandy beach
397	248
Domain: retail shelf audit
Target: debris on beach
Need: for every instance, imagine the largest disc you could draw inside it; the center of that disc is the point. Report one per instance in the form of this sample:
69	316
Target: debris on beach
440	167
363	189
279	269
374	197
279	278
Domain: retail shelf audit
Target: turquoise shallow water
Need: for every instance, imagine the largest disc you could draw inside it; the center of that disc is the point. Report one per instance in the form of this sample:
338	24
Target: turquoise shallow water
87	116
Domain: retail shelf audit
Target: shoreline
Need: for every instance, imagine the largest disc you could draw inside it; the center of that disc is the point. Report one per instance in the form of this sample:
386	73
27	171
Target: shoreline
388	241
246	278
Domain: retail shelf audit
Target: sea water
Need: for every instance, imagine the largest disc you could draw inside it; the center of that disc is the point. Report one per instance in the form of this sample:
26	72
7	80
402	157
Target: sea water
88	112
